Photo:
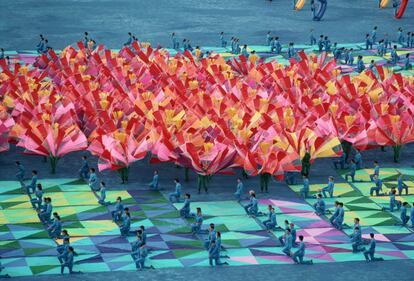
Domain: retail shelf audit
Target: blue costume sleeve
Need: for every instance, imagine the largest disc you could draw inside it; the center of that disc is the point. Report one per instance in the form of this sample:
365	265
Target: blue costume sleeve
273	218
372	245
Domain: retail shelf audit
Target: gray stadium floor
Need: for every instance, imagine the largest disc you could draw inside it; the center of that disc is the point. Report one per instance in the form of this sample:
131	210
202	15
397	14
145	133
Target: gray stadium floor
108	21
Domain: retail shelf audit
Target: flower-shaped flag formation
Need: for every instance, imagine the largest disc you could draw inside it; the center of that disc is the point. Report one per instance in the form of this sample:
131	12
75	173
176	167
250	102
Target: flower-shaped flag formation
50	130
120	147
6	123
205	114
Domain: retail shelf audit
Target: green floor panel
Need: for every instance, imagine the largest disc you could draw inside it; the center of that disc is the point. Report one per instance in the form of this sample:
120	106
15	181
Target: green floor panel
407	171
129	267
75	187
303	46
379	254
126	197
93	228
241	252
33	235
370	218
365	187
42	261
9	245
45	269
77	182
73	213
18	271
259	48
49	185
172	214
137	213
8	198
219	208
235	223
73	199
232	235
348	45
409	254
190	254
264	261
199	244
54	184
201	263
346	257
340	189
15	205
159	222
11	187
350	203
18	216
34	251
167	263
282	207
385	229
385	200
183	229
54	188
232	243
157	200
363	174
394	184
79	241
147	207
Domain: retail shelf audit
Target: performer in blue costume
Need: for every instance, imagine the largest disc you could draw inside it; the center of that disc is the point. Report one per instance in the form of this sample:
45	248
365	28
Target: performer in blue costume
394	55
130	39
407	64
374	34
222	40
155	180
360	64
312	37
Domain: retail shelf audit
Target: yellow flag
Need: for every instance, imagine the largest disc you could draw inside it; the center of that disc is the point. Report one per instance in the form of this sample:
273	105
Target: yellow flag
331	88
374	94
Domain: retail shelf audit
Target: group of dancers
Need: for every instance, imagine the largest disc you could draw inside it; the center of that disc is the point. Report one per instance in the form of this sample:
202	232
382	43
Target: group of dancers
289	240
51	220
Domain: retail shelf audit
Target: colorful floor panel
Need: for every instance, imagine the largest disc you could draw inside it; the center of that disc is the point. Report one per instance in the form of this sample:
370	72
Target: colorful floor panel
386	174
340	190
393	240
27	250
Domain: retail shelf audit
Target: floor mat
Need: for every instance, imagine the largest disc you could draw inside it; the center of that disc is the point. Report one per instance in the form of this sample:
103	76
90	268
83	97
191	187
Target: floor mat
340	189
27	250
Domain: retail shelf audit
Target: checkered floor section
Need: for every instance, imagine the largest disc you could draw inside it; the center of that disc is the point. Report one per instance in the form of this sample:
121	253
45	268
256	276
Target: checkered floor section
394	240
27	250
